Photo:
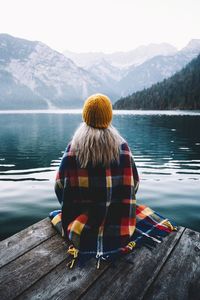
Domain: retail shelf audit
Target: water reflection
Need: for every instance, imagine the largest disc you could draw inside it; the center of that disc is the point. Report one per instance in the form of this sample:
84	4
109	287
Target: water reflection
166	150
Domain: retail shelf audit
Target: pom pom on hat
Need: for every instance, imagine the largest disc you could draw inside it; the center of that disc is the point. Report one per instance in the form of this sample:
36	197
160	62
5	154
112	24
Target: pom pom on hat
97	111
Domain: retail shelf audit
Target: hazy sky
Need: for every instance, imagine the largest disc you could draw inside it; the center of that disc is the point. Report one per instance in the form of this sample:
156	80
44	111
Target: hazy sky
101	25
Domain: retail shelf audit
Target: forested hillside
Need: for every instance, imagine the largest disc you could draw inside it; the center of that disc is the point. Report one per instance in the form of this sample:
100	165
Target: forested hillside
181	91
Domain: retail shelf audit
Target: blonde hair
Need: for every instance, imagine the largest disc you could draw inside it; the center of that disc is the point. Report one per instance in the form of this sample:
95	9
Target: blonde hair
98	146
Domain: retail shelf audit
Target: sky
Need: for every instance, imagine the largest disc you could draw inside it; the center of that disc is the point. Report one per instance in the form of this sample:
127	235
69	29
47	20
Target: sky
101	25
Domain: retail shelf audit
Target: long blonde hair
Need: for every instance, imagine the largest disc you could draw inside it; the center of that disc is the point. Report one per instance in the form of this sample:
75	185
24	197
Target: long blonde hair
98	146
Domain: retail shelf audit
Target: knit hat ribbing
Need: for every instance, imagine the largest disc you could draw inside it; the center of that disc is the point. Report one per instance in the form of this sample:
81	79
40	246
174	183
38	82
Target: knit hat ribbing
97	111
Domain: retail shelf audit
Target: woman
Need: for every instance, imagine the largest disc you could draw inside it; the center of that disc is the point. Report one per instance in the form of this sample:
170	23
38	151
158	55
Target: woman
96	186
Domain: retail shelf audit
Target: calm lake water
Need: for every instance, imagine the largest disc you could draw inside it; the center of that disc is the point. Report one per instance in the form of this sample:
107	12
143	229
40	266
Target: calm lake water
166	147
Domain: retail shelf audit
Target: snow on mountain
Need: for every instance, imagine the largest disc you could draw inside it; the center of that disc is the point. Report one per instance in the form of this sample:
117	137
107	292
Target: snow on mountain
192	49
84	60
32	75
156	69
140	54
193	45
127	72
43	73
121	59
110	69
104	71
150	72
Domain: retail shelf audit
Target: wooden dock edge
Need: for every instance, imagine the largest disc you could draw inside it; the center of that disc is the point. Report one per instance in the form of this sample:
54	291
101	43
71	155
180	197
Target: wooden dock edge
33	266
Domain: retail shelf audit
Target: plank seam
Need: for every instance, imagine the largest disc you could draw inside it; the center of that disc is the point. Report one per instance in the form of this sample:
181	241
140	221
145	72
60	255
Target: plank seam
90	285
44	275
27	228
106	269
98	277
34	246
161	266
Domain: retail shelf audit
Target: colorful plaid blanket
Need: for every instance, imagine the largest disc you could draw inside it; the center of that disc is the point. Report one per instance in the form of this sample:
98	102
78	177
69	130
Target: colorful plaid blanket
99	215
151	227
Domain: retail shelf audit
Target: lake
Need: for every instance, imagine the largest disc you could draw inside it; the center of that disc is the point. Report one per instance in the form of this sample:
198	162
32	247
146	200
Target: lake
166	147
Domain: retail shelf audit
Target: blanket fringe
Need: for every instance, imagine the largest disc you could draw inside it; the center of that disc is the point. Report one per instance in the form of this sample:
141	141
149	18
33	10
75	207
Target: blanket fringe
167	223
74	252
151	237
99	258
131	245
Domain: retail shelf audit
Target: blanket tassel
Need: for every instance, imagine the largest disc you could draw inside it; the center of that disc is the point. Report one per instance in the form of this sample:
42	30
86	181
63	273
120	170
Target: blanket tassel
167	223
73	251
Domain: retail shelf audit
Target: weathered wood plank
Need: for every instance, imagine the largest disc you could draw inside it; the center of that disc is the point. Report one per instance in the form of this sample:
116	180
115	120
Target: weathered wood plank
62	283
25	240
21	273
180	277
130	279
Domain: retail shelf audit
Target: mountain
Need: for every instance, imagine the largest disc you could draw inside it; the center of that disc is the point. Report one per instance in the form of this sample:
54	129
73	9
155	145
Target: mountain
156	69
115	71
121	59
123	73
32	75
103	70
181	91
192	48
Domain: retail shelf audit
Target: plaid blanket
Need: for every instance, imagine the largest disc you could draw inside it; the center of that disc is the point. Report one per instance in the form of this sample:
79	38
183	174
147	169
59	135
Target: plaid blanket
150	229
99	215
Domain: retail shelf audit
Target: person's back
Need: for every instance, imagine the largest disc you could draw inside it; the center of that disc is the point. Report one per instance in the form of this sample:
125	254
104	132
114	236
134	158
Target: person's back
96	186
99	203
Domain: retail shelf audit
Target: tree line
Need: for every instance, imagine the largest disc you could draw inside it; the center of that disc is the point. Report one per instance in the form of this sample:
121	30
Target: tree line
180	91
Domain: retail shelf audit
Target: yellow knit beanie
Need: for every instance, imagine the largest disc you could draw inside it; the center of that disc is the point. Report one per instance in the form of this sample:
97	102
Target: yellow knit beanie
97	111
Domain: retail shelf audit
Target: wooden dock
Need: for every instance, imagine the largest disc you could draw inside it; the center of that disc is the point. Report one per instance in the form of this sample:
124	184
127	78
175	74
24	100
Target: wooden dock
33	266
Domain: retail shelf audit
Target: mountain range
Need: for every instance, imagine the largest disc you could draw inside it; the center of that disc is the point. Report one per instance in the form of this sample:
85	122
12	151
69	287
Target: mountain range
32	75
122	59
180	91
139	68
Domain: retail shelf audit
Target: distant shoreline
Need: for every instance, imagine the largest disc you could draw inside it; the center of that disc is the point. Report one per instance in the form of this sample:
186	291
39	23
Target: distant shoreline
115	112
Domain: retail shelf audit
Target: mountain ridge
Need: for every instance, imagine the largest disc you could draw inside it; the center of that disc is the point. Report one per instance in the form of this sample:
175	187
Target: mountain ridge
141	75
32	75
122	59
43	72
180	91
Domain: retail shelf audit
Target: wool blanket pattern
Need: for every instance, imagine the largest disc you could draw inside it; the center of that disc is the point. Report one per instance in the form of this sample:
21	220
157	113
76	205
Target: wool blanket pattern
98	204
151	227
99	215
